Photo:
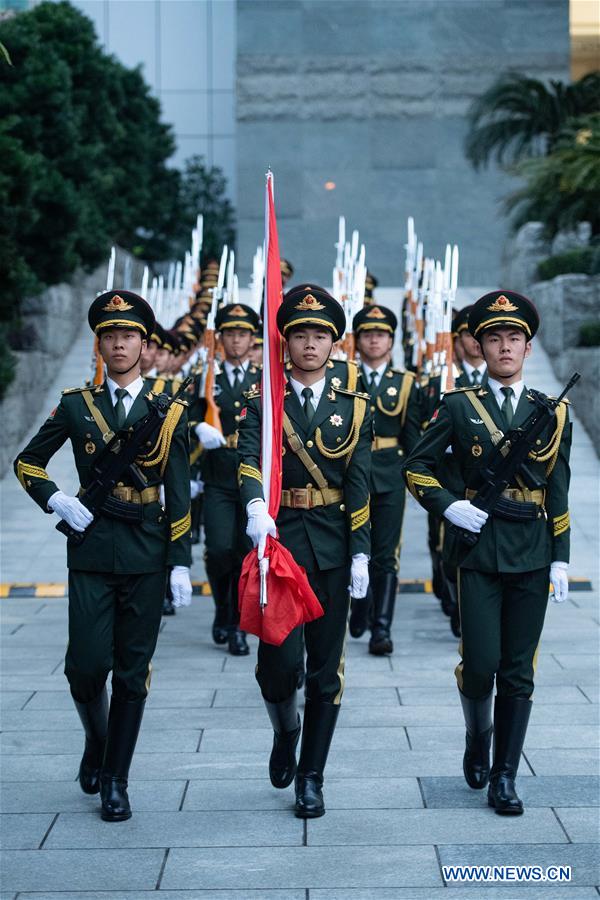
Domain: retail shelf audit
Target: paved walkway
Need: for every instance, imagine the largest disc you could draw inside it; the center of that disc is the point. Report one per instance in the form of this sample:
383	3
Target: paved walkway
207	823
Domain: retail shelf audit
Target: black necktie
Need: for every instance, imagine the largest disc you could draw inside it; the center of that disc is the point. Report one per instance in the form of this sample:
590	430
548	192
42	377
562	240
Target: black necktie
308	407
476	376
120	393
237	379
507	410
372	383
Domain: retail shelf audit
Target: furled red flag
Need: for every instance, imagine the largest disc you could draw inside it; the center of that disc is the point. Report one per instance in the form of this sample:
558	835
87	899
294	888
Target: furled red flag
274	594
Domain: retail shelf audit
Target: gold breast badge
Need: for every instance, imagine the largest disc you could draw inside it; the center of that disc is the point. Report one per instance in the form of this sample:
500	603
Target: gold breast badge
90	447
392	391
476	450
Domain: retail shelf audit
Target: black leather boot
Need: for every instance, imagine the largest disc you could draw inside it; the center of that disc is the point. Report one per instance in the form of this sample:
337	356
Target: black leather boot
124	722
359	614
94	718
220	587
384	598
286	727
317	732
236	638
478	719
511	716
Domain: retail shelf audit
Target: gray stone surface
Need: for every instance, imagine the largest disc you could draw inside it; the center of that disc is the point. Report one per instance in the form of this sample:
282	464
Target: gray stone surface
78	870
542	791
584	859
582	825
373	96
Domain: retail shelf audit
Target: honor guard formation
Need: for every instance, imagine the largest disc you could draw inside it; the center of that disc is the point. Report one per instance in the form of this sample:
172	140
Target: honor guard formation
170	440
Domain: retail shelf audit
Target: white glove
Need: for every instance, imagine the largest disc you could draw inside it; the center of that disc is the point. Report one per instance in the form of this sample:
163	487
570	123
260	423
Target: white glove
260	524
181	586
209	436
196	488
463	514
560	581
71	510
359	575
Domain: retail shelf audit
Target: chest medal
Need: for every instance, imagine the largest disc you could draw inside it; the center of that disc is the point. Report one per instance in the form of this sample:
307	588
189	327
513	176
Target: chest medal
90	447
476	450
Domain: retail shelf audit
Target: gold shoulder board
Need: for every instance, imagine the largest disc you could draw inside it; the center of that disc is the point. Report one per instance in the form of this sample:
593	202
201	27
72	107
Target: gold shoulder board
471	387
348	393
77	390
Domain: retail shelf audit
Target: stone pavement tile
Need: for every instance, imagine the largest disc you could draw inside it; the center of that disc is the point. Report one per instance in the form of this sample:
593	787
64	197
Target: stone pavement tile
27	767
458	892
583	713
188	828
216	740
584	859
538	736
50	652
579	660
545	790
582	824
577	761
34	682
591	691
342	793
302	867
43	742
393	716
29	666
81	870
21	831
67	796
13	699
544	694
198	894
432	826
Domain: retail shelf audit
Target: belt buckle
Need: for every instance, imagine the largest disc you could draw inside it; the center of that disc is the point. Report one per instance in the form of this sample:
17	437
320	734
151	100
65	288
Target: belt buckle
300	498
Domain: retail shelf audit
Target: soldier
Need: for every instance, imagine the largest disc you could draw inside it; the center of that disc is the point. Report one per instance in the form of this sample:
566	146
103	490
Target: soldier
287	270
472	363
226	543
324	522
117	574
396	420
503	579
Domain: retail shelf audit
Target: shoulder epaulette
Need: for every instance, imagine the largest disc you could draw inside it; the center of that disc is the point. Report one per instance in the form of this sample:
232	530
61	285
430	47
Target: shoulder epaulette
79	390
348	393
471	387
403	372
251	395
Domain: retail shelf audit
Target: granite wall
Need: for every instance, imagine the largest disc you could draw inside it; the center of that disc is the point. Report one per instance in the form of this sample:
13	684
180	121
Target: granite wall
372	96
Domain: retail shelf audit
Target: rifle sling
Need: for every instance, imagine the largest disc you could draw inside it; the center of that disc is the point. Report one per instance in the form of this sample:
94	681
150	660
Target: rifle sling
296	445
105	429
496	433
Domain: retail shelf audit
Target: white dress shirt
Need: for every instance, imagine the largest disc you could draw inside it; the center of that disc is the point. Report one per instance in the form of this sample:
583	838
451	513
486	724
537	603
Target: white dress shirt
317	388
132	389
496	389
229	367
378	373
469	369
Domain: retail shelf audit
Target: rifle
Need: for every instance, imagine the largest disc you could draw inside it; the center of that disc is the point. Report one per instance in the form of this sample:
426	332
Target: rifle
511	456
212	416
117	458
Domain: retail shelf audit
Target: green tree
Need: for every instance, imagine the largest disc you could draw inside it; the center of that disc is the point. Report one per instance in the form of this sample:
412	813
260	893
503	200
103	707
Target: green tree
203	191
563	188
520	116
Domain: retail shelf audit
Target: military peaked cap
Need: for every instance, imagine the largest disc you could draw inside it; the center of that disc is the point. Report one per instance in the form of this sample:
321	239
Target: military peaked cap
503	308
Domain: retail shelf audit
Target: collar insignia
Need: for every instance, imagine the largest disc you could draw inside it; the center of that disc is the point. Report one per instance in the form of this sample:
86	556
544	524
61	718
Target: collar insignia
336	382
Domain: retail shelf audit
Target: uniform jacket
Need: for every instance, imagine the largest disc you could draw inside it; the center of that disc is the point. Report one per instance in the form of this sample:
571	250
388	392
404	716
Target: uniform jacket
502	546
219	467
395	406
326	536
163	537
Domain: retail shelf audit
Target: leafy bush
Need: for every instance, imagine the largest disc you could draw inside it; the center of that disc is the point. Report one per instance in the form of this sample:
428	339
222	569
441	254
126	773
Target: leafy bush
589	334
585	260
203	190
83	155
563	188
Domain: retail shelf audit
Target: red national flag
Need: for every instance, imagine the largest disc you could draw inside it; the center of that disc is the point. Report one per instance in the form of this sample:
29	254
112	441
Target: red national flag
290	600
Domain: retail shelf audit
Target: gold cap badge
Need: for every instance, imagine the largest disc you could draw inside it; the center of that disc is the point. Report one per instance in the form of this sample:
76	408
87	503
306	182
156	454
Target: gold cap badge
502	304
309	302
375	313
117	303
238	311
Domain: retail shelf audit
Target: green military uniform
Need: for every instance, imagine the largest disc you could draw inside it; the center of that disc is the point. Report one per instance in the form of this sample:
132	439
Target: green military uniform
323	521
117	574
395	405
225	539
503	580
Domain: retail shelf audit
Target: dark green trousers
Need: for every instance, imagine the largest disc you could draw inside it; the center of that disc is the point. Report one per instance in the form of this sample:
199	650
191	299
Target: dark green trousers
225	540
387	513
501	616
325	639
113	624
